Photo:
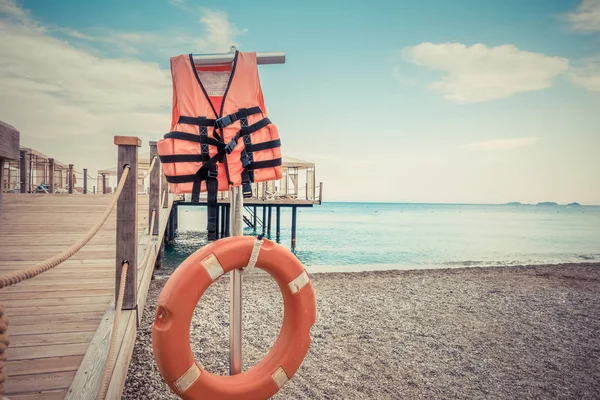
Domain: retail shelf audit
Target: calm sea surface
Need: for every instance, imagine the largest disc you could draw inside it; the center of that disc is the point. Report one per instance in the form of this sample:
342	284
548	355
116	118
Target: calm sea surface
362	236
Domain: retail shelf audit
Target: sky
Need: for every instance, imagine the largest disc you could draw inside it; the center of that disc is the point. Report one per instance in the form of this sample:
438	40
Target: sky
398	101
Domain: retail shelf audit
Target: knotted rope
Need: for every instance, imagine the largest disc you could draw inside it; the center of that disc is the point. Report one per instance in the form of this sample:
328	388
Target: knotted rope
150	168
4	342
49	263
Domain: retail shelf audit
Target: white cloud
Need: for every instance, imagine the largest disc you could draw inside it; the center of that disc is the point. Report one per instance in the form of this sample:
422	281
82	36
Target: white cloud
502	144
586	18
67	99
479	73
180	3
402	78
217	34
586	74
220	32
10	8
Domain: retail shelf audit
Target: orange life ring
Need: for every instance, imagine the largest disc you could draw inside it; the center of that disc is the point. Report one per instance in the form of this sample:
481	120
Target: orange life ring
183	290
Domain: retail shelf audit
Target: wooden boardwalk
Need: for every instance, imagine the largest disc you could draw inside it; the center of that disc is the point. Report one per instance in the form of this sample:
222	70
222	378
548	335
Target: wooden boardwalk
60	321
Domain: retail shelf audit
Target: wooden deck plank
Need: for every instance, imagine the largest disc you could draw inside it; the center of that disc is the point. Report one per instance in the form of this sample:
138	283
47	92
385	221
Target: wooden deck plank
52	328
66	337
42	395
34	383
87	381
51	318
36	352
55	316
44	365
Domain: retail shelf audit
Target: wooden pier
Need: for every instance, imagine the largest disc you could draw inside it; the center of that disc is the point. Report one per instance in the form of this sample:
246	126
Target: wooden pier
61	321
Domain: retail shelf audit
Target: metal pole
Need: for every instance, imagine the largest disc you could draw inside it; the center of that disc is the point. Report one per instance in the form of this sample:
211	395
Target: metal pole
235	281
224	58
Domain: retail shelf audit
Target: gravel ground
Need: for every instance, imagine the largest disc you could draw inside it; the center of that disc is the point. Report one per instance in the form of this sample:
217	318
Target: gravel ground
493	333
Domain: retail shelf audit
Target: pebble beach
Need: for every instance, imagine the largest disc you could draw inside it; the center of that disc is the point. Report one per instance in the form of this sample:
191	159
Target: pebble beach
464	333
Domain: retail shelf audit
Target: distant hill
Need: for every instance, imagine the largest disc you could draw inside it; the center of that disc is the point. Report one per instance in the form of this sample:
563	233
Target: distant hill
547	203
514	203
575	204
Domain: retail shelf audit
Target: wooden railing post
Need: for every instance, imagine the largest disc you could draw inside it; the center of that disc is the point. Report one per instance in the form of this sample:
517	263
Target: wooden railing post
154	189
51	175
85	181
127	233
103	183
70	178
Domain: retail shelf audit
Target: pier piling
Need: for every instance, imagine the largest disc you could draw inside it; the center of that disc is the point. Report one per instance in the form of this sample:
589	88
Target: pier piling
278	223
70	179
85	181
51	175
269	223
293	227
254	223
23	175
264	219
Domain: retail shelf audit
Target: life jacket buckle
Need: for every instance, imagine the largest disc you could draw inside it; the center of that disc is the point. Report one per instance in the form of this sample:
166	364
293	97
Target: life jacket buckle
205	173
246	160
227	120
230	146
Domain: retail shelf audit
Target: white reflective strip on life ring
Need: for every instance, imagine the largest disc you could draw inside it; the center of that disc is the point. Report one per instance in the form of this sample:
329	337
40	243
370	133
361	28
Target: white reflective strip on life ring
212	266
280	377
188	378
299	282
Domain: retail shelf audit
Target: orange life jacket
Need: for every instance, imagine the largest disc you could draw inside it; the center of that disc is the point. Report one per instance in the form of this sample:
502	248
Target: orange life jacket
213	108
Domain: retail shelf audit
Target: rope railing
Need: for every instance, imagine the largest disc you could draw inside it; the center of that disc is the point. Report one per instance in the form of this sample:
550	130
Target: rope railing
162	198
4	342
110	358
109	364
147	254
150	168
49	263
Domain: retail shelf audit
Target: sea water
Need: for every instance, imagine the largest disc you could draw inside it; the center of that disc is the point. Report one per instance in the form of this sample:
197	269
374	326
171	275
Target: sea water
367	236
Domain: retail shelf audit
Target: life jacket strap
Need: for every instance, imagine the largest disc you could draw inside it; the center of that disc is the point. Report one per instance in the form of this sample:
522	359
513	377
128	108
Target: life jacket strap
229	119
200	121
208	171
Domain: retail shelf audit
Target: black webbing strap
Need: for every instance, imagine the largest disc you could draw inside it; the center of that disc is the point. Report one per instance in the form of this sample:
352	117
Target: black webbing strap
208	171
181	178
245	132
203	124
212	185
212	211
265	164
183	158
247	176
231	118
200	121
264	145
190	137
